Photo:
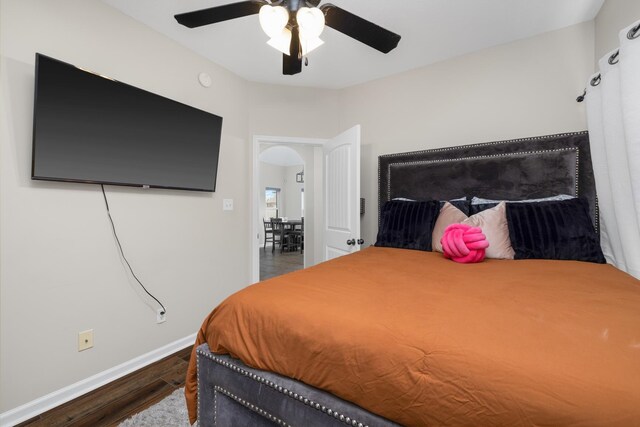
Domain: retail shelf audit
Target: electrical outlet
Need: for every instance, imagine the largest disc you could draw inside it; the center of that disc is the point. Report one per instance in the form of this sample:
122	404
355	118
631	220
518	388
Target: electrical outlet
227	205
161	316
85	340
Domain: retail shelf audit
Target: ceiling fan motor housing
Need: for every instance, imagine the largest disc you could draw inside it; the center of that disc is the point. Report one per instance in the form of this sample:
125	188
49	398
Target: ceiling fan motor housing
293	5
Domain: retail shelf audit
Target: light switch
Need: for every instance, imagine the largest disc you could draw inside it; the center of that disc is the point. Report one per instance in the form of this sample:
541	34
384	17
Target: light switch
227	204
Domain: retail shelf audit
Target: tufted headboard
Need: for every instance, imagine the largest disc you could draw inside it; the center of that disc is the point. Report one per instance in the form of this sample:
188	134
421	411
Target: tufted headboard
512	170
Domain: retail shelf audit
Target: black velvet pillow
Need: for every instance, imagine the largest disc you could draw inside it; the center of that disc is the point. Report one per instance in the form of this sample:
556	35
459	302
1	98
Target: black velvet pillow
407	224
553	230
479	207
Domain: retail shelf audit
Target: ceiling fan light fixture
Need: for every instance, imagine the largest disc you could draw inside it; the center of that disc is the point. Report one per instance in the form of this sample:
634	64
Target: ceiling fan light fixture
310	21
273	19
282	41
295	36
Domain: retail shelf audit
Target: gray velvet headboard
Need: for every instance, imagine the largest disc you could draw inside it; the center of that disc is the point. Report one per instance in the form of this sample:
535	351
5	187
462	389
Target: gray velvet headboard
512	170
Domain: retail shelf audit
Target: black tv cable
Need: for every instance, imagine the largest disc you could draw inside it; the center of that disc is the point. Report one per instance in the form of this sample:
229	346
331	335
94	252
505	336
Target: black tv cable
113	227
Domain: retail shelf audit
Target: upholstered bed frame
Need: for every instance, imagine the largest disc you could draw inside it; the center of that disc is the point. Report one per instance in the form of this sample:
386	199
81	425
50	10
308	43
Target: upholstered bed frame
232	394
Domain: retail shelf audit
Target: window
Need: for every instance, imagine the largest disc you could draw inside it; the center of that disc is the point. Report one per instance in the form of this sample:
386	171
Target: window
272	200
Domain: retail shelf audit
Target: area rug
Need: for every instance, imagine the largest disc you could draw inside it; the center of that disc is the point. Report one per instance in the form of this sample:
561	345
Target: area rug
169	412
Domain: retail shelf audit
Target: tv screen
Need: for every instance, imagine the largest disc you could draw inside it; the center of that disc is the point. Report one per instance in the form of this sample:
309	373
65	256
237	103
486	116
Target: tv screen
89	128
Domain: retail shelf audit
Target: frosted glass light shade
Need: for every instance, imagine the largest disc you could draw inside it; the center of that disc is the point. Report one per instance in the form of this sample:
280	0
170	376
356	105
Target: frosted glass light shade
273	19
310	44
310	21
282	41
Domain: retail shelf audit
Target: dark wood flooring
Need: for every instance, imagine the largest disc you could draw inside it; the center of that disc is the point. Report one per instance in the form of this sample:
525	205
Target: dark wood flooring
113	403
274	264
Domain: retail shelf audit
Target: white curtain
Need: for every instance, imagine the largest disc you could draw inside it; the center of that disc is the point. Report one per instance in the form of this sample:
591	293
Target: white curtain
613	112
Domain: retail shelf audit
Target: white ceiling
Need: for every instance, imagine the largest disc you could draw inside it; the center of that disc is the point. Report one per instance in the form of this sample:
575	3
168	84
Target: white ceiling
431	30
281	156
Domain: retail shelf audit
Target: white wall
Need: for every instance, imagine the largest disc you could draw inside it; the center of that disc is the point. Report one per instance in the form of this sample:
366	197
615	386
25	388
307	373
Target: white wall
518	89
293	111
613	17
293	200
60	272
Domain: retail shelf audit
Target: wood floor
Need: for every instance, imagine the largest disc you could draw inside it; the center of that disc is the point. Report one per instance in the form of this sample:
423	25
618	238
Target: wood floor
115	402
275	263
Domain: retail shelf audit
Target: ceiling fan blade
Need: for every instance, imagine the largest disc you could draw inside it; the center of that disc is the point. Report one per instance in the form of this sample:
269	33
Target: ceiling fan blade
360	29
292	64
198	18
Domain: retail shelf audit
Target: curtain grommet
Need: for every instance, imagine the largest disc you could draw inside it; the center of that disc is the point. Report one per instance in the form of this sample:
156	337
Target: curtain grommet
596	80
634	32
613	59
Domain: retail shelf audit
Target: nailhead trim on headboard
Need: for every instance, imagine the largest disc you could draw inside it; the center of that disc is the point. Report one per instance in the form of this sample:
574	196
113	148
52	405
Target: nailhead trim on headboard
482	144
388	159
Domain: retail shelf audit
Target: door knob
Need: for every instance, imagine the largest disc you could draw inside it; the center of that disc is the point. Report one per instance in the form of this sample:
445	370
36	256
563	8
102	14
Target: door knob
351	242
360	241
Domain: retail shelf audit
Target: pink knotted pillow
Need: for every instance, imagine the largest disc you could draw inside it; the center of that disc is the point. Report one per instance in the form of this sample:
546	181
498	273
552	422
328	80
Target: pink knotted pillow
464	243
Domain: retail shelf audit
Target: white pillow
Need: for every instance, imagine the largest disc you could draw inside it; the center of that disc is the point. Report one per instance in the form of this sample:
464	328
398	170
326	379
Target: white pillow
480	201
493	223
413	200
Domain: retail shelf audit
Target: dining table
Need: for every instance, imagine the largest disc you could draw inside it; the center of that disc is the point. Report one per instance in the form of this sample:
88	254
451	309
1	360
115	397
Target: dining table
291	223
287	224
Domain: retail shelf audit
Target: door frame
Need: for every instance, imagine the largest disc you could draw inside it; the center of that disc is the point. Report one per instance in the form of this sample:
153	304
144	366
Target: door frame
254	194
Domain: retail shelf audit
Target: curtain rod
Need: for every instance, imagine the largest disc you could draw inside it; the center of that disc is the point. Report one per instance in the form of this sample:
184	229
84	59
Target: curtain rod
613	60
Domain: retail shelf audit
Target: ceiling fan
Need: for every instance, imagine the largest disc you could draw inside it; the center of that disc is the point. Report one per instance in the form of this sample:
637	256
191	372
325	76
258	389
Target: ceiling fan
294	26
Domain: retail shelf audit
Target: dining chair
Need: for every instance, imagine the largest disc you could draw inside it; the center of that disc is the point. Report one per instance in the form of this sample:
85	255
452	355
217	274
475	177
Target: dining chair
297	235
287	240
276	231
269	234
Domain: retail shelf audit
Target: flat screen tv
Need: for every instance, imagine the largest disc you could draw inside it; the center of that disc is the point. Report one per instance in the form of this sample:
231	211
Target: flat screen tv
93	129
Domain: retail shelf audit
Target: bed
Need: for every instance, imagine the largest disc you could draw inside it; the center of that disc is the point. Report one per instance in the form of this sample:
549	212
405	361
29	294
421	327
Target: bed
393	336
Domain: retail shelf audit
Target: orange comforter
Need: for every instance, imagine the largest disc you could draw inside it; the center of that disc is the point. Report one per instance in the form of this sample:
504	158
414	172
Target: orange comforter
424	341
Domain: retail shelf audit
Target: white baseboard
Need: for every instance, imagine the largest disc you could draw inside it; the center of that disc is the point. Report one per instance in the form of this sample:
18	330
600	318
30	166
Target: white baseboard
58	397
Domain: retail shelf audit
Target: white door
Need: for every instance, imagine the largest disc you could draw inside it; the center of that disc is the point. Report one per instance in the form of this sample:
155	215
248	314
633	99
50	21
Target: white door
342	194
